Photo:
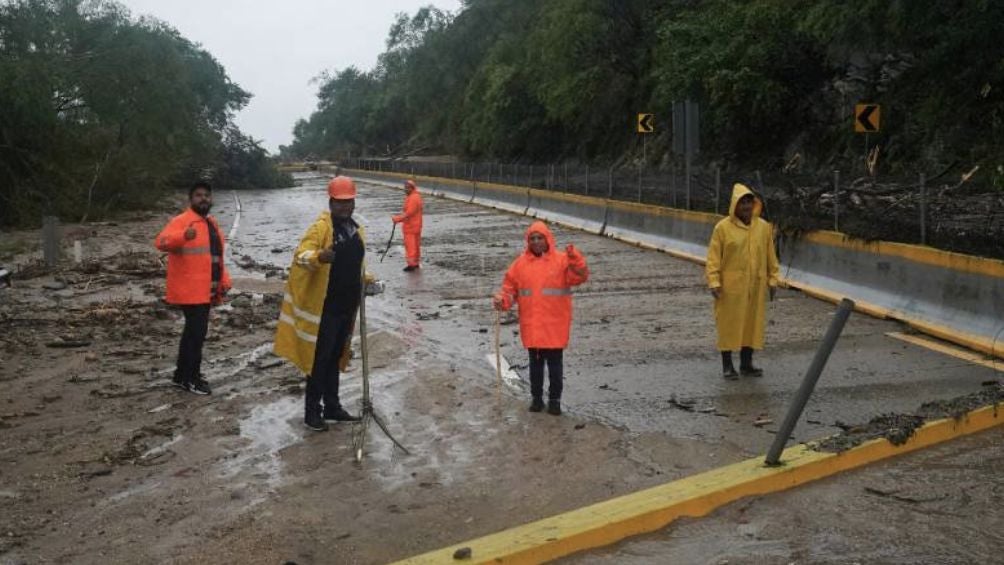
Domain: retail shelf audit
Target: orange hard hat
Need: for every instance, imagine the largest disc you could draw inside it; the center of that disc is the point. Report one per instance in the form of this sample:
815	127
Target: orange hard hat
342	188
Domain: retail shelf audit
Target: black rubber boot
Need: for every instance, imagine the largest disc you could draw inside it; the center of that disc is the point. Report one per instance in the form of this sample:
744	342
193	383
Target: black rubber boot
728	369
537	405
312	418
339	415
554	407
746	367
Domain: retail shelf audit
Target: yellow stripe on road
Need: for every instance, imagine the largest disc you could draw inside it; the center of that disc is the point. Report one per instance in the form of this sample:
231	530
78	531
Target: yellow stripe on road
957	352
652	509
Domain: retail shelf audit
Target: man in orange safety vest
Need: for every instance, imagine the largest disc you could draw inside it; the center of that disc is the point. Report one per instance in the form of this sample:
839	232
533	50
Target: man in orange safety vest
196	278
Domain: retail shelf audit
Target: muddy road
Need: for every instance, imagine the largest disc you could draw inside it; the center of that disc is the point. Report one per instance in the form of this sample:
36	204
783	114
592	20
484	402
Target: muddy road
101	461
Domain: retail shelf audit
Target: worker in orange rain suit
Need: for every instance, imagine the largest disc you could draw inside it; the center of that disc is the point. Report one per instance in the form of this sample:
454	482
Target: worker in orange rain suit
196	278
742	269
411	224
320	302
539	281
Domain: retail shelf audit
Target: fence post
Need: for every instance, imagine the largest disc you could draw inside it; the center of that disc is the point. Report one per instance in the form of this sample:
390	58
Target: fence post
836	200
564	187
687	172
587	180
809	382
923	210
610	182
718	188
639	182
50	240
672	183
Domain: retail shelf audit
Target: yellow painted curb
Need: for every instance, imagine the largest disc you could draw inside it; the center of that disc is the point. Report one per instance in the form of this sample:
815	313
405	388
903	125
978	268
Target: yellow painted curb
915	253
652	509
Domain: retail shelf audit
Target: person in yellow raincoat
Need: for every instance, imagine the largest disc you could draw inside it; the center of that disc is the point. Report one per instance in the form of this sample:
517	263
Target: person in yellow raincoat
742	269
320	302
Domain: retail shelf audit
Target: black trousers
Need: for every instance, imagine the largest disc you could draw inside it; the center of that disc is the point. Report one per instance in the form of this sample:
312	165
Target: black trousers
323	382
553	358
192	338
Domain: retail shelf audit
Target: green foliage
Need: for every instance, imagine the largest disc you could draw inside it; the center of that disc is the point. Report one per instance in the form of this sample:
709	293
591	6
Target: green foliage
522	79
101	111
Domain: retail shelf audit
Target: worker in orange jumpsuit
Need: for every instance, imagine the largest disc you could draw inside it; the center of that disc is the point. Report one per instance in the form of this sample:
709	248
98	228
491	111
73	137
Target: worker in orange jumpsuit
411	224
540	283
196	279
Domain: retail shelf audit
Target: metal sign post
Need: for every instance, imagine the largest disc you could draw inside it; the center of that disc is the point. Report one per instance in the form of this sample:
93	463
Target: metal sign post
686	137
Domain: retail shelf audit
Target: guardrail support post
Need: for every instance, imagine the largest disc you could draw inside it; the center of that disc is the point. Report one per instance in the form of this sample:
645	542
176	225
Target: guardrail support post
809	382
923	210
836	200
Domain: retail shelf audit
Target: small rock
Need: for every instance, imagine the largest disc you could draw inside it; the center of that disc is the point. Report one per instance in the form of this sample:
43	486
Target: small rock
67	293
90	356
462	553
54	285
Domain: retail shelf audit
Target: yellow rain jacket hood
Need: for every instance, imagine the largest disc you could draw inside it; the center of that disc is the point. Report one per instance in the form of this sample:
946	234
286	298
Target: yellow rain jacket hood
303	299
742	263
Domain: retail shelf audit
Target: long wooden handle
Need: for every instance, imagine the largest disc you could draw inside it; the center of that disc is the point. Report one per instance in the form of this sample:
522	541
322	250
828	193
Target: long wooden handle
498	358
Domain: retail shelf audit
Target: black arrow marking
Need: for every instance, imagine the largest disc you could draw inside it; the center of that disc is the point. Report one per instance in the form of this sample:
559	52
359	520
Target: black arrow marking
646	123
864	118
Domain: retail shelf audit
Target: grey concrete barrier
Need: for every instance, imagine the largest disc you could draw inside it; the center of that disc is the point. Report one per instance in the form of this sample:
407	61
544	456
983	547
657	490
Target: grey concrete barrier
583	212
509	198
949	295
955	297
679	232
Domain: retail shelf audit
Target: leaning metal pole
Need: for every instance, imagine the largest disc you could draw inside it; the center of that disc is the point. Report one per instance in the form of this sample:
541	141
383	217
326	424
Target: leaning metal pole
360	428
809	382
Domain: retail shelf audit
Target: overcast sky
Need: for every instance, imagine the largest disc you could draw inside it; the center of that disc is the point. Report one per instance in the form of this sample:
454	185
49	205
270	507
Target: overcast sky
273	48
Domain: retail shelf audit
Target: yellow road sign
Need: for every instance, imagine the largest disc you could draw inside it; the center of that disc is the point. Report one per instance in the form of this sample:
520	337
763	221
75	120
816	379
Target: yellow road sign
646	123
867	118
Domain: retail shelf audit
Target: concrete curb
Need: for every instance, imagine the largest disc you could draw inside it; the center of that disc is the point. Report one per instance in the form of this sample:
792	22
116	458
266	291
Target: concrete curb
652	509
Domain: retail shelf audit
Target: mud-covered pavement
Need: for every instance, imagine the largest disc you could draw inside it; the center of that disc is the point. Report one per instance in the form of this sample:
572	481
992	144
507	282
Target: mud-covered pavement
101	461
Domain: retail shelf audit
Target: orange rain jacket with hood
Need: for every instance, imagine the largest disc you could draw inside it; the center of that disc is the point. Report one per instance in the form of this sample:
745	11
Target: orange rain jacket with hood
411	217
189	261
541	287
411	224
743	264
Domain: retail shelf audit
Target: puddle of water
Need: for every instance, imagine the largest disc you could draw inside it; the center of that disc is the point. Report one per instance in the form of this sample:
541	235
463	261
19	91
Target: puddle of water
268	430
509	377
157	450
138	489
237	363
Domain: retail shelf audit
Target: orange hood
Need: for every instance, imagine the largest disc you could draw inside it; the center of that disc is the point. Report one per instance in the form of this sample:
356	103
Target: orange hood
541	228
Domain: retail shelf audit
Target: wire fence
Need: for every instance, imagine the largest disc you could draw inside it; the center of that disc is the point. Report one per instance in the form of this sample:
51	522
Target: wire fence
963	216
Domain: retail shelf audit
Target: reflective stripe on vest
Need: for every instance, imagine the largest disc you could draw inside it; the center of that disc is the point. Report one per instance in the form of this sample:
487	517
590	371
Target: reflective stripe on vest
547	292
287	319
302	314
556	291
202	250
